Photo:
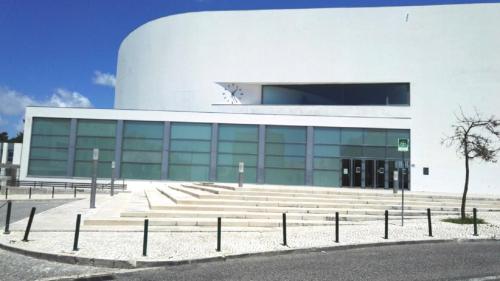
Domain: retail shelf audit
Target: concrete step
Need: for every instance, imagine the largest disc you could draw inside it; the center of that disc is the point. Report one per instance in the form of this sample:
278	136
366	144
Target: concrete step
228	196
173	194
156	199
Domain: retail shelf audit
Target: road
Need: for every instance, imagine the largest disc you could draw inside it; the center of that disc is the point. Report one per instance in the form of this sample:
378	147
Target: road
447	261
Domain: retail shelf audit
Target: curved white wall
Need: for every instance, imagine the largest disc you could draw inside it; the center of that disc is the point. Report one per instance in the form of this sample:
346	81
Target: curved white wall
449	54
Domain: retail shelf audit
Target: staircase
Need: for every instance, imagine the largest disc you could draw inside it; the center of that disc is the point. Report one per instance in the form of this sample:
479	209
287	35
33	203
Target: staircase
199	204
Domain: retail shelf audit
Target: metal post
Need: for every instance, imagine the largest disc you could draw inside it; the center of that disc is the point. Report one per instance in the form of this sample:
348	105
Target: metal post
284	229
28	227
7	219
395	179
241	169
474	212
219	226
52	192
77	232
112	178
30	193
429	221
6	193
403	191
145	240
74	191
336	227
95	158
386	236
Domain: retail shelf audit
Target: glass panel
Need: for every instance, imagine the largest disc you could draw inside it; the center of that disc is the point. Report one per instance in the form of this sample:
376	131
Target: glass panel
98	128
188	172
47	167
238	147
51	126
285	162
351	151
374	152
392	152
86	154
235	159
326	135
189	158
95	142
230	174
393	135
327	150
141	157
190	145
191	131
238	132
285	134
326	163
326	178
141	171
49	153
375	137
285	149
284	176
84	169
352	136
137	129
143	144
49	141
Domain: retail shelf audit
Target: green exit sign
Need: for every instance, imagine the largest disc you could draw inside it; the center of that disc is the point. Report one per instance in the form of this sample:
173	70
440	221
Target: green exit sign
403	144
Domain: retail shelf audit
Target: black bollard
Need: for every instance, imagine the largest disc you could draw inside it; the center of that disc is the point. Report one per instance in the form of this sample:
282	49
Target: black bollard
28	227
77	232
30	193
7	219
219	230
52	192
474	212
145	240
284	229
429	221
6	193
336	227
74	192
386	236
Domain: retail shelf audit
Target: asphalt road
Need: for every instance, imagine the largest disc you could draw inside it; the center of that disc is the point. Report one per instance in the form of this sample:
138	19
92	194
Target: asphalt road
446	261
21	208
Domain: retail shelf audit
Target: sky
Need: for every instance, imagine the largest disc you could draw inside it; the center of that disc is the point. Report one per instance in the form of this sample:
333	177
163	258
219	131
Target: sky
63	52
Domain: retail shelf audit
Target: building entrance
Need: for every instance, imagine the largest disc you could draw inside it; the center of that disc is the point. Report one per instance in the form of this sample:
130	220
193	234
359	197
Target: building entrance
370	173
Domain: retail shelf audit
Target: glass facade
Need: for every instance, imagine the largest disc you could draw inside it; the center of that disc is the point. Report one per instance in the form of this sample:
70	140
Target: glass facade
190	147
333	157
237	143
337	94
92	134
49	147
142	150
285	155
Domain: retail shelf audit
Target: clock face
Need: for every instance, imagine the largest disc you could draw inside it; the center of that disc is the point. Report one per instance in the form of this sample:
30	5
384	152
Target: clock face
232	93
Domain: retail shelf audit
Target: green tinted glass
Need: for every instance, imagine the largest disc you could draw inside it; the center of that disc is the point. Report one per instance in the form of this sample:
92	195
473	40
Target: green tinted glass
49	141
393	135
326	178
235	159
84	169
49	153
98	128
141	156
141	171
230	174
285	162
95	142
326	135
327	150
352	136
285	149
188	172
189	158
284	176
137	129
86	154
326	163
143	144
238	147
51	126
190	145
375	137
351	151
287	134
238	132
197	131
47	168
374	152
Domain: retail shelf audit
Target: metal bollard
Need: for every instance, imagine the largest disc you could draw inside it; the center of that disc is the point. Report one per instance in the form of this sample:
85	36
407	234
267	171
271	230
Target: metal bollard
6	193
77	232
386	236
429	221
28	227
52	192
29	194
474	212
74	192
7	219
284	229
336	227
219	226
145	240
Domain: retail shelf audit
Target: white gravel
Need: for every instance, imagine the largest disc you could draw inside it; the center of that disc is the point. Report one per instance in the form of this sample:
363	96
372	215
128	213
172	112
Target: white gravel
193	245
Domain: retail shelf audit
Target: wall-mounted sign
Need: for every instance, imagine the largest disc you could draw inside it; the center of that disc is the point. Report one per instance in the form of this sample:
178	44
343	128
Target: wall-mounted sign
346	171
403	145
241	167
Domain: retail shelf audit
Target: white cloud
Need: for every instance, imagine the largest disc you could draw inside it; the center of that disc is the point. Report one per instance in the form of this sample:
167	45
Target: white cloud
13	102
104	79
64	98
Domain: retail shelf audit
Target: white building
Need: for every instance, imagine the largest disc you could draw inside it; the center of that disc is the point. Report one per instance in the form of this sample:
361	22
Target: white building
305	97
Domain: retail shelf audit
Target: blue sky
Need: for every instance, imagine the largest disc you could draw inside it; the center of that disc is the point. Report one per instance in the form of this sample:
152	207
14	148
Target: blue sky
63	52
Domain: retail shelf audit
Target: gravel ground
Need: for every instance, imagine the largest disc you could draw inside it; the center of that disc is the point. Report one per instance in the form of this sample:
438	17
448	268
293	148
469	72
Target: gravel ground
193	245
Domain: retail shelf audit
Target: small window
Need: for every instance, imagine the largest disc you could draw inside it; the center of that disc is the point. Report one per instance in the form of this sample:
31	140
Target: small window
426	171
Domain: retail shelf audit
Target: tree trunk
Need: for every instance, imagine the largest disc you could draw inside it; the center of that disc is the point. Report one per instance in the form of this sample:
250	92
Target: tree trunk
466	185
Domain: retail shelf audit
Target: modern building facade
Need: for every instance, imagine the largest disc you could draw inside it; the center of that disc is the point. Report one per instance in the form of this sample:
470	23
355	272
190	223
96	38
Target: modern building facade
302	97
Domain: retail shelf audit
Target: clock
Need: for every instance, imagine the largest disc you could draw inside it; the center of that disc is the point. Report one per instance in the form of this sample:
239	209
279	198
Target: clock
232	93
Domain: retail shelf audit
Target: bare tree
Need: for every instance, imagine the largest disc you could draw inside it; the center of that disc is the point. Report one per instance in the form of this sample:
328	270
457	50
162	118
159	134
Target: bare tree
474	137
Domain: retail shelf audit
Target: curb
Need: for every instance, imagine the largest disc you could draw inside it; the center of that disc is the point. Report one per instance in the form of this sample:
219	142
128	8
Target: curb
134	264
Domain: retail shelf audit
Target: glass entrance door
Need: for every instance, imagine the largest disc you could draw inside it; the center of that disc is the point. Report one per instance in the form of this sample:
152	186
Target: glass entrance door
380	174
346	172
370	173
392	168
356	167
